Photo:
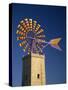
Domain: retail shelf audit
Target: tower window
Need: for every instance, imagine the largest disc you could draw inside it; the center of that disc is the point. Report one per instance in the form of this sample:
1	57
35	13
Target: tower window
38	76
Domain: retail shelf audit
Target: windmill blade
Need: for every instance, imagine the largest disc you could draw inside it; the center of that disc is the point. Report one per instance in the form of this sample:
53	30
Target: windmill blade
27	23
37	27
34	25
19	32
30	24
55	43
20	38
39	32
23	24
22	43
20	27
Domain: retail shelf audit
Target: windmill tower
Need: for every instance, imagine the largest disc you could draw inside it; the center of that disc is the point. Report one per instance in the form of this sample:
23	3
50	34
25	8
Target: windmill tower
34	69
33	42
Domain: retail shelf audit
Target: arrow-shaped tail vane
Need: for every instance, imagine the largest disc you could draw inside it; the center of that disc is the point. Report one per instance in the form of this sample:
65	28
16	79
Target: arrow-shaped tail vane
55	43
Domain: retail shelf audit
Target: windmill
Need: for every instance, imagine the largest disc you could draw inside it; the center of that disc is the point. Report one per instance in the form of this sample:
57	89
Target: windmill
32	41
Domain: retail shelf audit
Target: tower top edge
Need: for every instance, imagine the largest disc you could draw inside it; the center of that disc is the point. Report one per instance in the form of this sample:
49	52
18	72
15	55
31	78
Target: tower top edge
38	55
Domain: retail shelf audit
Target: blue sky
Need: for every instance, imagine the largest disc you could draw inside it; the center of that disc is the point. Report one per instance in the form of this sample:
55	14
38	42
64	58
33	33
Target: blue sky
53	20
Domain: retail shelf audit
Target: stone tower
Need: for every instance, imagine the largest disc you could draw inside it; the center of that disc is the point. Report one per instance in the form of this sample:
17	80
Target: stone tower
34	70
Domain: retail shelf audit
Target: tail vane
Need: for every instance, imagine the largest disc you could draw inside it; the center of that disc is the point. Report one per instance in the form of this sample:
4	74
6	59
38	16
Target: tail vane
55	43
